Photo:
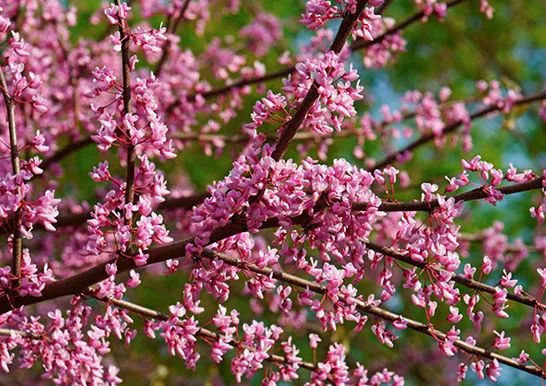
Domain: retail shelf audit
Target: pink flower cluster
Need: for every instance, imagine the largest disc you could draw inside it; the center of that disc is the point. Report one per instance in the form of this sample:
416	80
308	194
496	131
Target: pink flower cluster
494	95
319	12
432	7
336	94
335	369
70	351
146	134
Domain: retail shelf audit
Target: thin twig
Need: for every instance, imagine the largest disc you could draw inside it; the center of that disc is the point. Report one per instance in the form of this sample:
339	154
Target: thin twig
16	169
202	332
452	127
131	155
22	334
172	27
188	202
458	278
380	313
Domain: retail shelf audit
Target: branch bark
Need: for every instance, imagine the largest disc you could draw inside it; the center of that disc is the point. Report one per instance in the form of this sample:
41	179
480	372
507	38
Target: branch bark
81	281
17	247
126	95
474	194
290	129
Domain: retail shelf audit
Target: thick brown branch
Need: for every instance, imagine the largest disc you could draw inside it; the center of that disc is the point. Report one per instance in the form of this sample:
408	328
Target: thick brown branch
452	127
16	169
289	130
81	281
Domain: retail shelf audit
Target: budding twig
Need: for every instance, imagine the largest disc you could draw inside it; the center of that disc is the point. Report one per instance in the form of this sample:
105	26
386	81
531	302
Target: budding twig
16	169
203	332
126	94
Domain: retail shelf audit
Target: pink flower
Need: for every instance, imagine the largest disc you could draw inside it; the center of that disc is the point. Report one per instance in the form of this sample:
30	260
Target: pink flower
493	370
134	279
487	265
317	13
114	12
501	342
314	340
478	368
429	191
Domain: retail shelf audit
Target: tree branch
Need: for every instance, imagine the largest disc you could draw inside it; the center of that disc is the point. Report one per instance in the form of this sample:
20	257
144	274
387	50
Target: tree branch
16	169
458	278
474	194
289	130
22	334
81	281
